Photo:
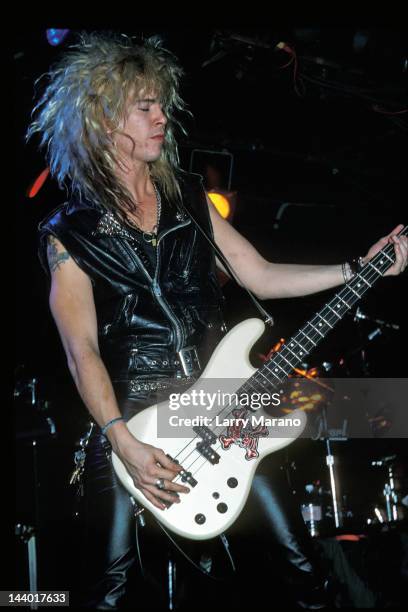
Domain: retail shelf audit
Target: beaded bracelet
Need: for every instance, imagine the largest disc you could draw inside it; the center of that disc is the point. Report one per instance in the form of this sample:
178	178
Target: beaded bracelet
106	427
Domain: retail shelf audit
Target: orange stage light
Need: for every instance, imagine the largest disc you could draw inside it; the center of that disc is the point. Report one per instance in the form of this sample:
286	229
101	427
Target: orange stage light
38	183
221	203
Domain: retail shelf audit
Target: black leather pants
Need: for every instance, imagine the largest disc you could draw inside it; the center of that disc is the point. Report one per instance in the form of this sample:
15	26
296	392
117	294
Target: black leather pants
108	548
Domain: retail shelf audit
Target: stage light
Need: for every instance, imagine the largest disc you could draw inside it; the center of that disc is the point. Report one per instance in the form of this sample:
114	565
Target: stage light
215	167
38	183
55	37
221	203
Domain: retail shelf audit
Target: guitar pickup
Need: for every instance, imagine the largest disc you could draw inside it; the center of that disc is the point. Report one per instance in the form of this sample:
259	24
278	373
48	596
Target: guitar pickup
188	478
185	476
205	434
209	453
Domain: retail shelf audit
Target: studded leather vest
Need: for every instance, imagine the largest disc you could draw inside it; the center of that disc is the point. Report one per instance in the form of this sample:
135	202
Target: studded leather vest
151	302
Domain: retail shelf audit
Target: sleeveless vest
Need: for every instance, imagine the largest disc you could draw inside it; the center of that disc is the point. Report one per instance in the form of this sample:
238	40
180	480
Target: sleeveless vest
151	302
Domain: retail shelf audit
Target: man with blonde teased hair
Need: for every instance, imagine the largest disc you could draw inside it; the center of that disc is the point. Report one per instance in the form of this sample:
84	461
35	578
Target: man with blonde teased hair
133	283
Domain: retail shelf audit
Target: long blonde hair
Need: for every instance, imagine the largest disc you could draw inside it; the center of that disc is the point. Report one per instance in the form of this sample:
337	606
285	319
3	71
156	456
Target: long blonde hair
89	88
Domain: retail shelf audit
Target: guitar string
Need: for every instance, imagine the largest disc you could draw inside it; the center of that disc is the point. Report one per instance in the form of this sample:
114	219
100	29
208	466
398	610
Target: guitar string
205	462
325	314
373	276
280	381
224	429
220	446
329	318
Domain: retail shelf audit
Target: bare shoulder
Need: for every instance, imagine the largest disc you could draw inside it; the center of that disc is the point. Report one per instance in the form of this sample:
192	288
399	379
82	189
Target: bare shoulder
64	270
57	254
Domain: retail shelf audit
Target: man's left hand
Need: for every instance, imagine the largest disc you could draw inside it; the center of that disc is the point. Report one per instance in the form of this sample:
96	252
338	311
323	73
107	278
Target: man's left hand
400	247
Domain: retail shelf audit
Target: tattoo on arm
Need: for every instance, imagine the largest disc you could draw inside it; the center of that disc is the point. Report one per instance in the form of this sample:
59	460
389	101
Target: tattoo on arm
55	258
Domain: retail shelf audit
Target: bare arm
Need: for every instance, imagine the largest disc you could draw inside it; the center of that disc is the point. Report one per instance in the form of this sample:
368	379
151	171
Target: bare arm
73	308
271	280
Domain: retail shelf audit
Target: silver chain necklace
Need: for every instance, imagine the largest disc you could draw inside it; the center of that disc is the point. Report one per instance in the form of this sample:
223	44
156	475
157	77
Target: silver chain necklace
151	237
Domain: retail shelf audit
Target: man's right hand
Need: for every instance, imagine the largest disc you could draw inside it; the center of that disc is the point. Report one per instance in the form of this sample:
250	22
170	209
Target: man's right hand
146	464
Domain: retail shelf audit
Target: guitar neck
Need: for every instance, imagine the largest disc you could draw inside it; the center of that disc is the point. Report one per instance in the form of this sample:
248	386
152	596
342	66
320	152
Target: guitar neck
276	370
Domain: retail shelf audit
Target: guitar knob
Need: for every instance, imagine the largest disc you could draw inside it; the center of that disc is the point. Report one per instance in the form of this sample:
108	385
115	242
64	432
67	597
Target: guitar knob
200	519
232	483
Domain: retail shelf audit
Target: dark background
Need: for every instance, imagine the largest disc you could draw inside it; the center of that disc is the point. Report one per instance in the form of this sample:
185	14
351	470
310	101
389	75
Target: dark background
331	143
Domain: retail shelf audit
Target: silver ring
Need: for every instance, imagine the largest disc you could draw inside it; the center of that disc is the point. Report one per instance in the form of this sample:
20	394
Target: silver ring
160	483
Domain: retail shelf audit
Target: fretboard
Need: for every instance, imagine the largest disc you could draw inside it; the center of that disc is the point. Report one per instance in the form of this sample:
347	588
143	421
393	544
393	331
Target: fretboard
275	371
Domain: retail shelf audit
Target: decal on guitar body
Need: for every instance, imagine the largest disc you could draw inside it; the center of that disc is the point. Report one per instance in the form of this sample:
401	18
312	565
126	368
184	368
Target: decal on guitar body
245	435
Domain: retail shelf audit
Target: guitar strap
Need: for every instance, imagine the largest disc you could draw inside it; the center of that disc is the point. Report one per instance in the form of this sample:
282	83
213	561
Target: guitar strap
268	319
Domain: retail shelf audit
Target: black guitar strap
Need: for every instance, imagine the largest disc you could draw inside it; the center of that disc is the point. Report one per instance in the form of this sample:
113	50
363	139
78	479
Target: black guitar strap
265	315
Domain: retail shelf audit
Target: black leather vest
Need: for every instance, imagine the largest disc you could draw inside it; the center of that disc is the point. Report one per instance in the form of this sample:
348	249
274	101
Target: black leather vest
147	310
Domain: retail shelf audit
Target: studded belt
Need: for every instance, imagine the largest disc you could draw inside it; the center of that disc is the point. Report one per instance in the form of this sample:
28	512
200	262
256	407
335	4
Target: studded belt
136	384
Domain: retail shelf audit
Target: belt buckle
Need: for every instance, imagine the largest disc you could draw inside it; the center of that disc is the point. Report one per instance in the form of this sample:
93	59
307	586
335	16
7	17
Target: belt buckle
189	360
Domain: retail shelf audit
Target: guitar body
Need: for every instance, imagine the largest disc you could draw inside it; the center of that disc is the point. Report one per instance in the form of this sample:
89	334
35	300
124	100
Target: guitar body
219	496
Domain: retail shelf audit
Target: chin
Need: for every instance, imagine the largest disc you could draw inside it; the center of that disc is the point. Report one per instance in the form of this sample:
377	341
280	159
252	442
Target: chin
153	157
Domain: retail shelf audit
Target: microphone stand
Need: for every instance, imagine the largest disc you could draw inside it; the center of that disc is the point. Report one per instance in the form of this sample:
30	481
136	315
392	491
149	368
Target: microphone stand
327	435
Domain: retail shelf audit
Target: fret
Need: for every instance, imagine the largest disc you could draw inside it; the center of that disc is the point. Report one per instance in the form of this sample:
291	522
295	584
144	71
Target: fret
262	374
366	281
244	388
327	323
248	382
304	351
388	257
301	346
276	369
332	309
236	401
310	340
344	302
291	364
315	328
294	354
355	292
272	372
375	268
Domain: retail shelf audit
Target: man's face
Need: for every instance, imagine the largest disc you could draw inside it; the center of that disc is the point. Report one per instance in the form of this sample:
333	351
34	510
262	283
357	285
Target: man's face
145	123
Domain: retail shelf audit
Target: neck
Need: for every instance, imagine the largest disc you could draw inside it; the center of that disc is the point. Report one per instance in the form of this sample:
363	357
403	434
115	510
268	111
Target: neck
136	178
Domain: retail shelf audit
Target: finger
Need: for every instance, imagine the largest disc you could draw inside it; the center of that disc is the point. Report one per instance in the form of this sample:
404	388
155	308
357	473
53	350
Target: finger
403	241
394	242
163	495
153	500
159	472
400	256
165	462
172	486
395	231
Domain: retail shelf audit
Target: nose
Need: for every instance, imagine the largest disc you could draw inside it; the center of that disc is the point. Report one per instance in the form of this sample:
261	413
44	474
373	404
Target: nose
160	117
